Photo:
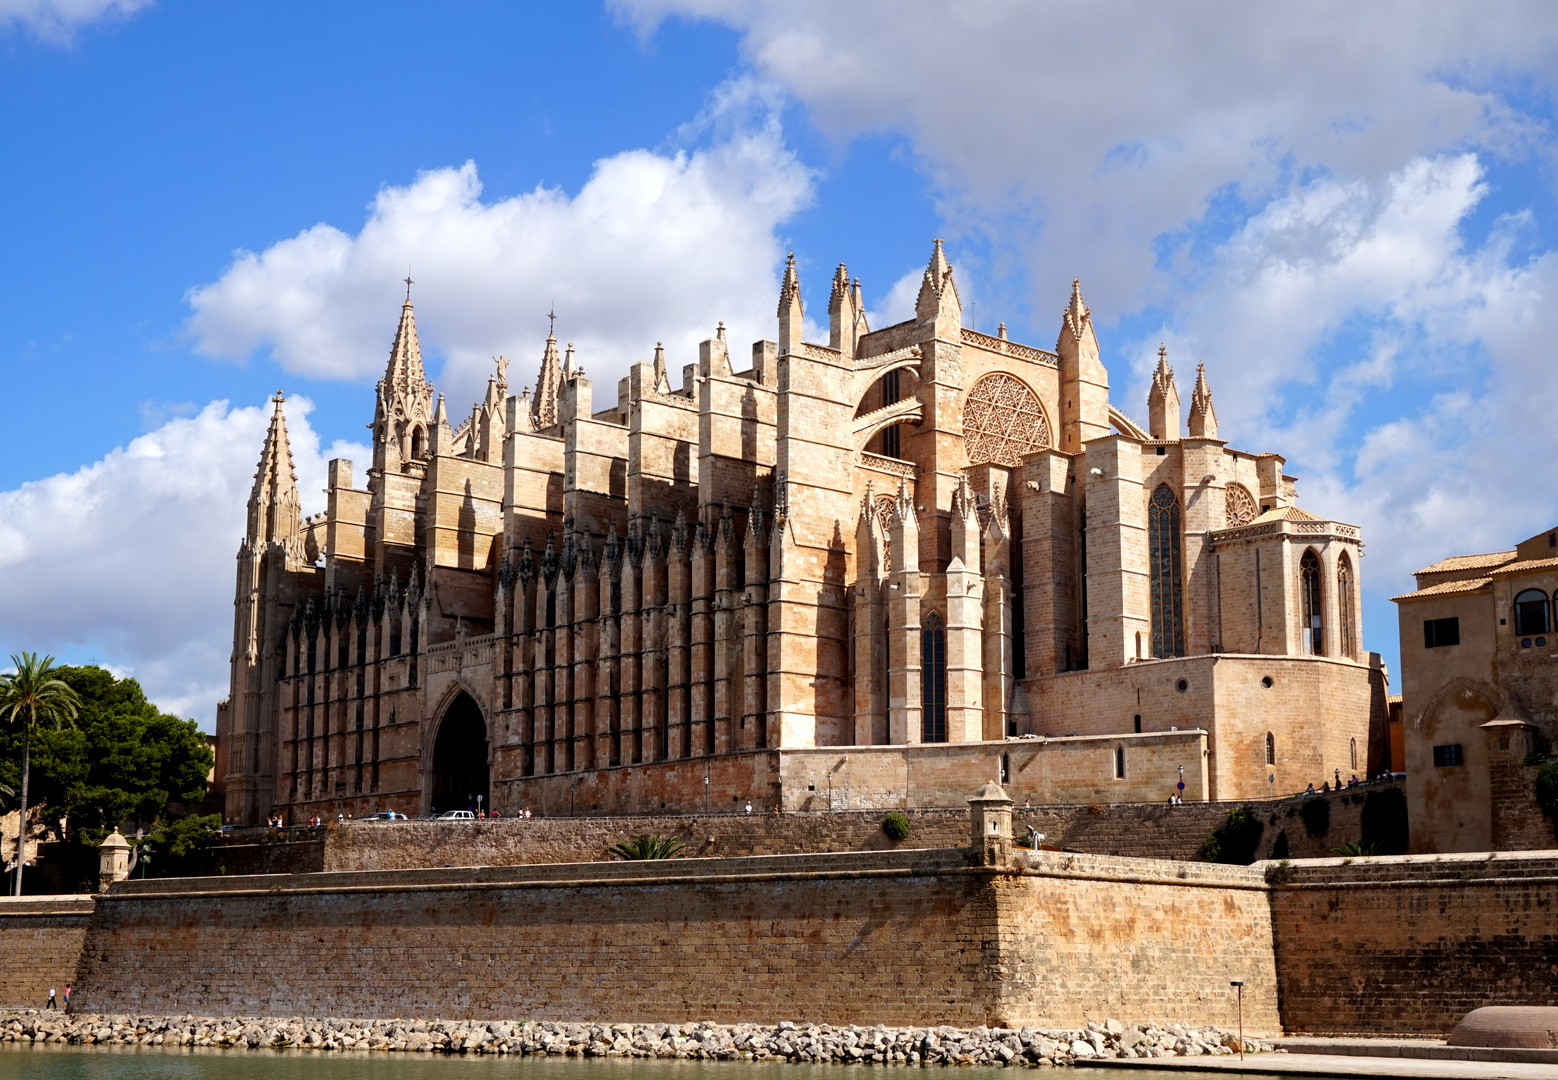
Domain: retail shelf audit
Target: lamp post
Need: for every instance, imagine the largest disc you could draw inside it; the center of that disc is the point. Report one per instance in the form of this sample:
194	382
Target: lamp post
1238	984
705	790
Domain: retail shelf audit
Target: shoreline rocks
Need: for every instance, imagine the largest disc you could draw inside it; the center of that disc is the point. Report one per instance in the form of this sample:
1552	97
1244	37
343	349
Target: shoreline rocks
800	1043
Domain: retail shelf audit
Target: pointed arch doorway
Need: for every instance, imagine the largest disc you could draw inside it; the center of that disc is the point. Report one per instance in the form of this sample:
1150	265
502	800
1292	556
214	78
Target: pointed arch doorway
460	757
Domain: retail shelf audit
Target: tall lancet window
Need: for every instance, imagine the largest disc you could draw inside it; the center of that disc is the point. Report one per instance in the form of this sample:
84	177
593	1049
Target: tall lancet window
1168	609
1313	630
1344	610
933	681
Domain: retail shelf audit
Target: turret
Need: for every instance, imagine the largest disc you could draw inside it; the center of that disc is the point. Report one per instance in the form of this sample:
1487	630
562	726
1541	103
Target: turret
1084	384
846	322
937	308
790	311
543	407
1203	418
1163	412
405	402
274	514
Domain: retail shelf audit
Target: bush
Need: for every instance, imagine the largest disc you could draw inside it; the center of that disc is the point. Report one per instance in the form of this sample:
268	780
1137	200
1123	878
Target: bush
1384	822
649	847
1235	842
896	826
1547	789
1316	815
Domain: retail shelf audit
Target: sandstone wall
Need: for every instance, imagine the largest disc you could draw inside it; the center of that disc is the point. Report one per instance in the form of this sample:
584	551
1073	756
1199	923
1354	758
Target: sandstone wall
40	943
1411	944
909	937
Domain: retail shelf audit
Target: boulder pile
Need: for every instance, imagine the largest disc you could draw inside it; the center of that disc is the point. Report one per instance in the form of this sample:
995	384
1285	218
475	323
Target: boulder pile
810	1043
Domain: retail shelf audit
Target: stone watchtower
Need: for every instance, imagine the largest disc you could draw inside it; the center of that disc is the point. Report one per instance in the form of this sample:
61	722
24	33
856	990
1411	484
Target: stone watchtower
990	810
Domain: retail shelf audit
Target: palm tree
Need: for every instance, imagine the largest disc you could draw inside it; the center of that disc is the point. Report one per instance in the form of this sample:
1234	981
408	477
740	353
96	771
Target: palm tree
648	847
31	695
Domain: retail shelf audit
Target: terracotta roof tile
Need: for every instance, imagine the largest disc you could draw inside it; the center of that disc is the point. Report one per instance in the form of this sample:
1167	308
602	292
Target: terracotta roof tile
1448	588
1469	562
1287	513
1525	564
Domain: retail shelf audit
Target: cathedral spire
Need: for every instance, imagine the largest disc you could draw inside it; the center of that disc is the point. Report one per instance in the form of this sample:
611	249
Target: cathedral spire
1076	315
1163	411
938	299
274	514
1203	418
543	407
791	312
662	376
405	400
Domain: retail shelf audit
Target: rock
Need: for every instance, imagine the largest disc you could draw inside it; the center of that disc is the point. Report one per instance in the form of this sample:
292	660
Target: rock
1082	1049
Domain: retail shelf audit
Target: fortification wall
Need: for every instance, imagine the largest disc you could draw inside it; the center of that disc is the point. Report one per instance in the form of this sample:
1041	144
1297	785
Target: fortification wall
906	937
1413	943
1135	830
41	938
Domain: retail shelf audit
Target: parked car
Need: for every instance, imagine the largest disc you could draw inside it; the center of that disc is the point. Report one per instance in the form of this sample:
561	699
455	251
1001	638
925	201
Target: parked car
457	815
390	815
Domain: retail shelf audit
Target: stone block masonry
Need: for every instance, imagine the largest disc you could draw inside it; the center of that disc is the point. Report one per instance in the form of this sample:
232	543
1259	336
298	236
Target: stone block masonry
1412	944
40	943
903	937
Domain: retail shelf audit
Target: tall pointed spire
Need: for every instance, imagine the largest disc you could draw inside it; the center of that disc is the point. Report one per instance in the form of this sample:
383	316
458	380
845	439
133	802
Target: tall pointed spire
938	299
1076	314
1163	411
543	407
1203	418
791	312
662	376
274	513
405	400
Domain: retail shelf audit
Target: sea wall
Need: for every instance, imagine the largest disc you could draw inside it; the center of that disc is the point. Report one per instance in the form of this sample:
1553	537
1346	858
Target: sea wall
41	938
1413	943
899	937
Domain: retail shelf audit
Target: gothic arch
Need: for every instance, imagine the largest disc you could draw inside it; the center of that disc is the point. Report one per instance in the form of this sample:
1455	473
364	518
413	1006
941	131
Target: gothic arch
1003	419
456	753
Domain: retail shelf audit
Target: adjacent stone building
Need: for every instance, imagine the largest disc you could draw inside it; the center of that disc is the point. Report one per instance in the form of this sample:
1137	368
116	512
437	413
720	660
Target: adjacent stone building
873	572
1479	681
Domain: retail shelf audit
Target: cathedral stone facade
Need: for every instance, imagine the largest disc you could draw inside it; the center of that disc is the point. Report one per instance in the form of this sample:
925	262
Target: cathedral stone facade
875	572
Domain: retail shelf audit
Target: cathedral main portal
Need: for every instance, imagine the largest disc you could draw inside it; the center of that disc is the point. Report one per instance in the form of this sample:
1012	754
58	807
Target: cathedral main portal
460	758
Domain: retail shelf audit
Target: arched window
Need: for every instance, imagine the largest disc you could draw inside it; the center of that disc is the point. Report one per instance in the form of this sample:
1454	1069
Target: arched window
1119	763
1271	749
1531	612
1344	607
418	444
1168	620
933	681
1312	631
1353	749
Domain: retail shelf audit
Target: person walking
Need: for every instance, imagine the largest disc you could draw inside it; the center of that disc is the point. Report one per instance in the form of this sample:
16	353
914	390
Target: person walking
749	806
51	1004
67	999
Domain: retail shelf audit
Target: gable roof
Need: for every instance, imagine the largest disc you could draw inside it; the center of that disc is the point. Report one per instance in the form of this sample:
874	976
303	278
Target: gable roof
1469	562
1448	588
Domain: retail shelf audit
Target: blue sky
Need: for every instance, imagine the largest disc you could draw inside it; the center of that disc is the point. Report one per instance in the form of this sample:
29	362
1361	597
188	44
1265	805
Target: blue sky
1348	214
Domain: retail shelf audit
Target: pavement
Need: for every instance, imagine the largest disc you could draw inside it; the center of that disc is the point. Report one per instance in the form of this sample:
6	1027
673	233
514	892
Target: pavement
1333	1064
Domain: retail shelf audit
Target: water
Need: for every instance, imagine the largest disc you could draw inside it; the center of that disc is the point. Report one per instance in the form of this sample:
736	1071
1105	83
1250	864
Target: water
149	1063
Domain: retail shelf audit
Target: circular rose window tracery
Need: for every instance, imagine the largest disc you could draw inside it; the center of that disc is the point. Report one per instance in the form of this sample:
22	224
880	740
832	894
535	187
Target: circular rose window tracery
1239	507
1002	421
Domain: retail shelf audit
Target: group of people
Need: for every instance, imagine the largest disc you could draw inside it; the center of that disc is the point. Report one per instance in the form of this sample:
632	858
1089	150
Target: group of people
51	1003
1326	785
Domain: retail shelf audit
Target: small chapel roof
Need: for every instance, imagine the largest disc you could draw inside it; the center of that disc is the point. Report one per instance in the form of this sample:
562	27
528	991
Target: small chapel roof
1287	513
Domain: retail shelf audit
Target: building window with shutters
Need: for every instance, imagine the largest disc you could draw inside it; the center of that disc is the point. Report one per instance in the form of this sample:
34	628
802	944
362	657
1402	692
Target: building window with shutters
1163	539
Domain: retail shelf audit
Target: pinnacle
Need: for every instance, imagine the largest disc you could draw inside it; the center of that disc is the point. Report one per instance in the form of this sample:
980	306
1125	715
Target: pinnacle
790	289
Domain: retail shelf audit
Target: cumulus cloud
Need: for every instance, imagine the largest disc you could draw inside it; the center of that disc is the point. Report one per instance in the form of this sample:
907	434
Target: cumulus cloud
1085	131
656	246
131	557
58	20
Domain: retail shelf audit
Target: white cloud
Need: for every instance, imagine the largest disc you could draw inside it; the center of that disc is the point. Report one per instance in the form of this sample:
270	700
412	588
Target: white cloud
654	247
58	20
1082	132
130	558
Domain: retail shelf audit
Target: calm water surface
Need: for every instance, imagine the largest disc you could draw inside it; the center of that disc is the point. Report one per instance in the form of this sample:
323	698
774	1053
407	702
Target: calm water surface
149	1063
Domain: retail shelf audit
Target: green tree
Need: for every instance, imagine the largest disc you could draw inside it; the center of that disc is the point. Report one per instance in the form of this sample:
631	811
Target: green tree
29	696
648	847
125	760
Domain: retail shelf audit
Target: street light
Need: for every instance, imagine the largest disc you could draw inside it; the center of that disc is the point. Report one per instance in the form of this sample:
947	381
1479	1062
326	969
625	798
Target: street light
1238	984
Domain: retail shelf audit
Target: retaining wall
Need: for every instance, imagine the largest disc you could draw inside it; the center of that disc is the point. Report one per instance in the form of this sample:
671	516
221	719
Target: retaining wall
904	937
1413	943
41	938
